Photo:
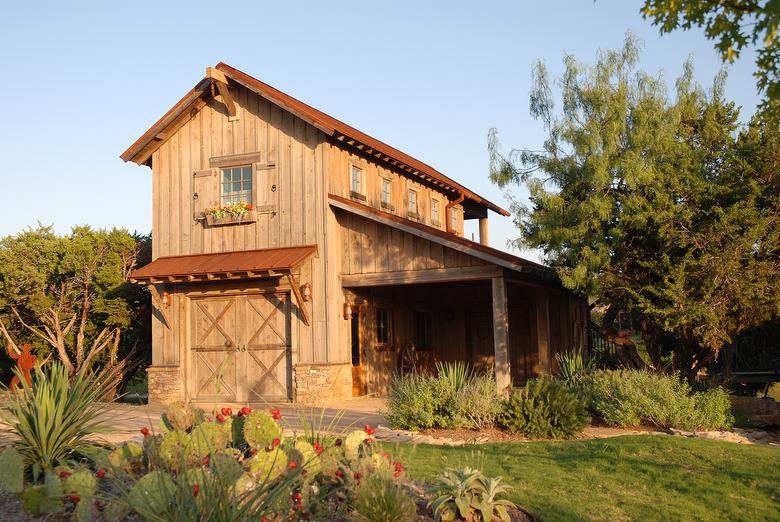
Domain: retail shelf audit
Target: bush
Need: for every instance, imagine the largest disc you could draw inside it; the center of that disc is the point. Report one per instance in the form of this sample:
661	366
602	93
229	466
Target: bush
455	398
628	397
546	408
378	498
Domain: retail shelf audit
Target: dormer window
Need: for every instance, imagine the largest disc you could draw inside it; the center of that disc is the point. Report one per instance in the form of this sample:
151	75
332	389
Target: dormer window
435	212
412	203
236	185
454	221
385	196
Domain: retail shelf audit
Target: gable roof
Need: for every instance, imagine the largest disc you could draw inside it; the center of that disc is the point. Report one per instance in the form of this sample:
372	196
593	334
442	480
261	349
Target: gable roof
140	152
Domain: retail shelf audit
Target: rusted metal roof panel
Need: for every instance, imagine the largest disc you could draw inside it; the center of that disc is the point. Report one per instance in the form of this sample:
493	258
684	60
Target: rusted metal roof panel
270	259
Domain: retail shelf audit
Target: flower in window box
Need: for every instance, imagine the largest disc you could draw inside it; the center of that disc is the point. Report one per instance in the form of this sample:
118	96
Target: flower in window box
232	213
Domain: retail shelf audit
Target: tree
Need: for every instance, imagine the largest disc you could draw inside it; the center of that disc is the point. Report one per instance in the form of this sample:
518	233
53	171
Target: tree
653	204
70	295
733	25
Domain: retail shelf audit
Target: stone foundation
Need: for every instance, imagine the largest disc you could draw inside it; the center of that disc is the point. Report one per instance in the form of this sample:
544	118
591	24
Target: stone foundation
165	384
322	383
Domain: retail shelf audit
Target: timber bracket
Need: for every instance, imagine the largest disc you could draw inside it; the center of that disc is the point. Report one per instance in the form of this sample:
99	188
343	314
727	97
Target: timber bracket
220	81
296	290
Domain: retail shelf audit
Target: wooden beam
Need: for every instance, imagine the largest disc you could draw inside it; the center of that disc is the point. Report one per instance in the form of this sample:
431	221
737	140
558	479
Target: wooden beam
543	329
216	74
483	231
299	298
157	302
501	337
227	99
413	277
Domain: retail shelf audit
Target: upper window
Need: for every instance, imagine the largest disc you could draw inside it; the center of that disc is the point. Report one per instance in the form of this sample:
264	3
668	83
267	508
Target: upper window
237	185
435	211
454	219
412	201
356	180
385	192
383	326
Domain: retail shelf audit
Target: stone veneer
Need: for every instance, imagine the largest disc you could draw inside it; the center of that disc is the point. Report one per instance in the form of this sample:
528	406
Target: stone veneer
165	384
321	383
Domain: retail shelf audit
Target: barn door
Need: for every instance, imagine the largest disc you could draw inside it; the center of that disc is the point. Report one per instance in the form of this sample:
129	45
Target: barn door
214	345
267	351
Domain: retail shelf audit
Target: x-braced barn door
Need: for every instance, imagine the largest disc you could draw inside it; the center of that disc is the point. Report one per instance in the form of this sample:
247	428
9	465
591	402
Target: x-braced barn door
214	349
241	350
268	361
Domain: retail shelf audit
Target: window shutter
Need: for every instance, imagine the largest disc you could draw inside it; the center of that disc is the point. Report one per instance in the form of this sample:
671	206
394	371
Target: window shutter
264	183
205	191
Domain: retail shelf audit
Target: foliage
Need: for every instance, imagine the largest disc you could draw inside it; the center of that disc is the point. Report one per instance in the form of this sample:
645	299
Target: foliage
733	26
653	204
69	294
260	429
456	397
644	477
54	418
625	398
573	366
467	494
546	408
379	498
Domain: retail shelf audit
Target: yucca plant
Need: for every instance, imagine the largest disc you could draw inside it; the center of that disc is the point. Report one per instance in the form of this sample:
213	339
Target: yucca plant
457	373
55	415
573	365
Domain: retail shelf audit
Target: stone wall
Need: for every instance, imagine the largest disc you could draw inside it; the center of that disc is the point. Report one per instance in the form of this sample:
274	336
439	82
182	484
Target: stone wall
322	383
165	384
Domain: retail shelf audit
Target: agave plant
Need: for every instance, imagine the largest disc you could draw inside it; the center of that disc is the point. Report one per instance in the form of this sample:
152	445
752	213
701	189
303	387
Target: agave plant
457	373
469	495
55	415
573	365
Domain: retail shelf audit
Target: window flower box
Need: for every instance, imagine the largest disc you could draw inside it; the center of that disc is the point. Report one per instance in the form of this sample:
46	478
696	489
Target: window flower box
233	214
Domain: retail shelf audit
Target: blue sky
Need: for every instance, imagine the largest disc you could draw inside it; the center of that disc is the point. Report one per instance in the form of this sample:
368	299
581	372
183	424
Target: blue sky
84	80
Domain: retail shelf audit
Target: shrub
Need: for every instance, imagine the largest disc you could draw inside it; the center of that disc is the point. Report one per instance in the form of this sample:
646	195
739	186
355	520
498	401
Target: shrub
455	398
546	408
379	498
54	416
469	495
626	398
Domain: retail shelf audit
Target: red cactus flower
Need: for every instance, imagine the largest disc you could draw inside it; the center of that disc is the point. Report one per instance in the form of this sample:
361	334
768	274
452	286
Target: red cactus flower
386	455
297	496
100	473
246	410
220	417
74	498
65	474
276	442
369	429
145	431
224	411
205	460
276	414
195	490
230	412
357	475
339	473
318	450
253	451
292	464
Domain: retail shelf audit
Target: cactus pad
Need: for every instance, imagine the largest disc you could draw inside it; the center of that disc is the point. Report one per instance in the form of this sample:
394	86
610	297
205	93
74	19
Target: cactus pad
260	429
152	493
129	458
82	483
208	438
267	465
176	449
11	471
179	416
354	444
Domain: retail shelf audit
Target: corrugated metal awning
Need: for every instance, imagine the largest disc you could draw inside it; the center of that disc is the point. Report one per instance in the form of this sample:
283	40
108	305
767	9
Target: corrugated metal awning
229	265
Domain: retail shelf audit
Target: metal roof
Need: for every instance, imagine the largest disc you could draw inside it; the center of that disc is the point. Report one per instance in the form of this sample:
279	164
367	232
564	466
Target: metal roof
228	265
139	151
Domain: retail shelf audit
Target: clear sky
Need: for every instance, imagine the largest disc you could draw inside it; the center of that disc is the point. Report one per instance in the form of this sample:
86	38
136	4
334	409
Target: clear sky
83	80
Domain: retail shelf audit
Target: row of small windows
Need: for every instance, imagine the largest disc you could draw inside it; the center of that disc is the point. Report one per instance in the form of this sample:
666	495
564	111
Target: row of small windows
356	187
422	328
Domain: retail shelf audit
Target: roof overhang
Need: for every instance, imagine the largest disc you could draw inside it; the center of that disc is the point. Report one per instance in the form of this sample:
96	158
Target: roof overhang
248	264
486	253
141	151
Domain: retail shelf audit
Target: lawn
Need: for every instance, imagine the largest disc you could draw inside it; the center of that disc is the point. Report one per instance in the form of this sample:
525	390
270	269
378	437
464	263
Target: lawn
622	478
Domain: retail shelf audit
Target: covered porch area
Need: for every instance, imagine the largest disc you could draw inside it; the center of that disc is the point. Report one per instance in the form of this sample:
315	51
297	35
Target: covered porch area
493	318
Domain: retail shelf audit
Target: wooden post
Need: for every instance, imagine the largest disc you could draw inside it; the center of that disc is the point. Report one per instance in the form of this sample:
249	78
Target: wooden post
483	231
543	329
501	336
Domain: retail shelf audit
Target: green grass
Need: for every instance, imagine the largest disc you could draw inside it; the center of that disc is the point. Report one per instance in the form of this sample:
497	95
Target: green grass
622	478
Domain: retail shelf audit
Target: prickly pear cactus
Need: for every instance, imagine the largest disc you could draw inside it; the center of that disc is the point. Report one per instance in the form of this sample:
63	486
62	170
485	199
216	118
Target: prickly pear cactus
226	467
36	501
354	444
267	465
208	438
11	471
179	416
176	449
128	457
82	483
245	483
152	493
235	428
304	455
260	430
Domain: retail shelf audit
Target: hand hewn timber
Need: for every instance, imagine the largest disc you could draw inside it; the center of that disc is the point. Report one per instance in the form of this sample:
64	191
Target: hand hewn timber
412	277
543	328
501	336
299	299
